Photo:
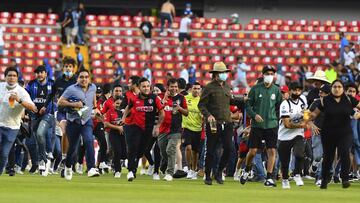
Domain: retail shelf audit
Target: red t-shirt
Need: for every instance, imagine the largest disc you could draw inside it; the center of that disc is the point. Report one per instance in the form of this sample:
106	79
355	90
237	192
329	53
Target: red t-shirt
113	116
99	104
172	122
143	111
129	95
108	104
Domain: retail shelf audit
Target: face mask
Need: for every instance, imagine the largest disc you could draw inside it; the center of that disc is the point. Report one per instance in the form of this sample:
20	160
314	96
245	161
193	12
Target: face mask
268	79
295	96
223	76
69	74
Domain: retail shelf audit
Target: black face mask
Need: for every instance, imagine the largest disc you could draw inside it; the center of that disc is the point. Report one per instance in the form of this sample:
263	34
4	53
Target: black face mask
295	96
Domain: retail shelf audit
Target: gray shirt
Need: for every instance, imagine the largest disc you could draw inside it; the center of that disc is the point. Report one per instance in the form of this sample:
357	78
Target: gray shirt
76	93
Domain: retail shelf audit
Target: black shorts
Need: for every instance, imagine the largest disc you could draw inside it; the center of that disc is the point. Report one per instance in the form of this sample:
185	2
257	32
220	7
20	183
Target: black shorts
191	138
257	135
183	36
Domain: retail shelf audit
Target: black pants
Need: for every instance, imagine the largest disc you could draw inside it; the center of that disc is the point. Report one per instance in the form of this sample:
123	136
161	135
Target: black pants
157	157
100	137
223	135
308	158
137	141
118	144
342	142
298	146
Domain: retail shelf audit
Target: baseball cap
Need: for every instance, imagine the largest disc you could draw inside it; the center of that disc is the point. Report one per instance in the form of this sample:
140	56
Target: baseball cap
268	68
326	88
98	90
40	69
284	89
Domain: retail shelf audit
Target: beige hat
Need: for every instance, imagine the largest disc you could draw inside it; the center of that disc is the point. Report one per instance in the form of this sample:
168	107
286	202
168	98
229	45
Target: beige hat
319	75
219	67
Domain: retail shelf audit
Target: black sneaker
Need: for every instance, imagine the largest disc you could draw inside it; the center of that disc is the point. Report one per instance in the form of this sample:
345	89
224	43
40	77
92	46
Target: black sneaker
244	177
346	184
336	179
33	169
180	174
12	172
323	184
269	183
219	179
208	181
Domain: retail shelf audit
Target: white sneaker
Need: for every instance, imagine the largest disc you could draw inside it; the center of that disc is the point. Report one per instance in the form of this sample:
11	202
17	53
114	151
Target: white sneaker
47	168
150	170
93	172
142	171
318	182
285	184
42	165
117	175
298	180
309	177
190	174
79	169
223	176
194	177
130	176
68	173
103	165
50	155
18	170
186	169
168	177
156	176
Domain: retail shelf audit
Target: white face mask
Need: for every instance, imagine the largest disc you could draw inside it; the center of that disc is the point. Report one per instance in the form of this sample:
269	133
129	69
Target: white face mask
223	76
268	79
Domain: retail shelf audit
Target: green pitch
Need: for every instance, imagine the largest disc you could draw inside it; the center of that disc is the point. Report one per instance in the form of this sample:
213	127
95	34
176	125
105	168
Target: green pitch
106	189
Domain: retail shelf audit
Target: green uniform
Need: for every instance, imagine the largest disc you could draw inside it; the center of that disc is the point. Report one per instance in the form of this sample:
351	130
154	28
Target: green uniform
193	121
264	101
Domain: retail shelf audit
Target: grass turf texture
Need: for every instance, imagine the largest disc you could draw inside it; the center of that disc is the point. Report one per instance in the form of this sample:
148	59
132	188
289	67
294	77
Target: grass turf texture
106	189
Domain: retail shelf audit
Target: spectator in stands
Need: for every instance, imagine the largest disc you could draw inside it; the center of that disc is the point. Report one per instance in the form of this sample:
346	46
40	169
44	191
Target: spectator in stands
234	19
14	100
318	79
82	23
167	13
343	42
146	29
2	43
301	74
241	70
49	69
192	73
119	74
14	63
357	60
147	72
71	24
79	58
188	8
184	73
58	67
184	30
349	56
352	47
280	75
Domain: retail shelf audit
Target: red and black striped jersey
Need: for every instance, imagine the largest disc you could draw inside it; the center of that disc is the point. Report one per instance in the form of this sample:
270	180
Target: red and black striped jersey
172	121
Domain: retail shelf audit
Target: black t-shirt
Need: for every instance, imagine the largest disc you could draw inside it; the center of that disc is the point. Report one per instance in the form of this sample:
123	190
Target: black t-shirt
312	95
40	99
337	119
146	28
320	118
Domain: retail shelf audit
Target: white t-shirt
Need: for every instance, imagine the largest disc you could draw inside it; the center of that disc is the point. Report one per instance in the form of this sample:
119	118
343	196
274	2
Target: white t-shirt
185	74
349	58
294	112
184	23
11	117
242	68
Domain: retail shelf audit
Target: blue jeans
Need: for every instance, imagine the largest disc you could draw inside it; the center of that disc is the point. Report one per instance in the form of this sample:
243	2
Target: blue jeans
259	167
73	131
7	139
80	35
163	17
356	140
41	127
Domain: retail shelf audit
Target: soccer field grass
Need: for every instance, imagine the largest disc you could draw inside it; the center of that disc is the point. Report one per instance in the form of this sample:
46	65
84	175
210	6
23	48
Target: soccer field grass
104	189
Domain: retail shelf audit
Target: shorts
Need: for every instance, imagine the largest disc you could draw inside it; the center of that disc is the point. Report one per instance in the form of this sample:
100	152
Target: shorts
183	36
146	44
60	116
74	31
257	135
192	138
243	149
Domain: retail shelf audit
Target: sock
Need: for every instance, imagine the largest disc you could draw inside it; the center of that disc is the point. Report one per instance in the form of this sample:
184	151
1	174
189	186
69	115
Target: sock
268	175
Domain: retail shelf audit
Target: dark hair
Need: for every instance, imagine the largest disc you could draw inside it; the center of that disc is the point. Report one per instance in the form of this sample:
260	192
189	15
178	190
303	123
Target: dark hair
9	69
106	88
352	85
339	81
83	70
196	83
172	81
135	79
160	86
118	97
142	80
116	86
77	48
181	83
69	60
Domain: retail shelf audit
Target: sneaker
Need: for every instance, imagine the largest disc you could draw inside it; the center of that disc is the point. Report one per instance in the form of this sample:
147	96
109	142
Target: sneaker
307	177
219	179
117	175
237	175
130	176
150	170
79	169
11	172
190	174
318	183
323	185
223	177
47	168
345	184
33	170
244	177
93	172
194	177
180	174
42	166
142	171
18	170
68	173
156	176
269	183
208	181
103	165
201	173
298	180
50	155
336	179
168	177
285	184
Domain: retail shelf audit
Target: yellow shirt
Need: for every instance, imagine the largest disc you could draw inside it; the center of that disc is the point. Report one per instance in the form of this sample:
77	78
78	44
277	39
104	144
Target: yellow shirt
193	121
